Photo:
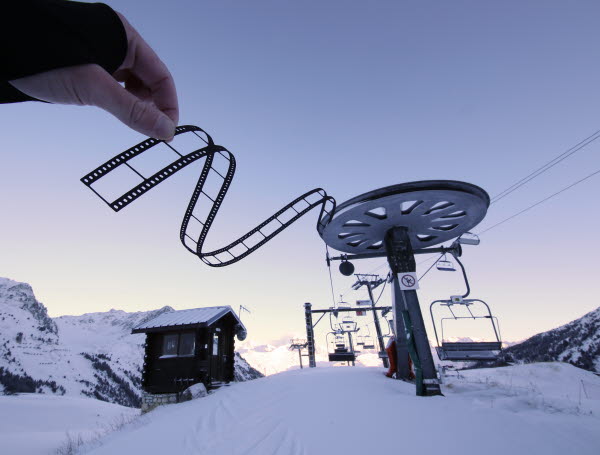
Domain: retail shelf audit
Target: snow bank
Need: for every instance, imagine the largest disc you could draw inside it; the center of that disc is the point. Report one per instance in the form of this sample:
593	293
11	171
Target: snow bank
38	424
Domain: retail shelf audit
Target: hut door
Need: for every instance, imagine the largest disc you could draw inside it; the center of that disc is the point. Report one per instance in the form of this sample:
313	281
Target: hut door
216	363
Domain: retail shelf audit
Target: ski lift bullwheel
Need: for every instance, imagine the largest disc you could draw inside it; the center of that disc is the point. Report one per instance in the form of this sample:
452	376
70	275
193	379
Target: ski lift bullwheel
434	211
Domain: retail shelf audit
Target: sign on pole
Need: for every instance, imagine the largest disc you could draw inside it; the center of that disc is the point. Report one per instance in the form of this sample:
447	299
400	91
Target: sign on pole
408	281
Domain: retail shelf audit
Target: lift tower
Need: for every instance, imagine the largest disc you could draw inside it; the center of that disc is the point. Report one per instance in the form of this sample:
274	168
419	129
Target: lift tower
298	345
371	282
397	222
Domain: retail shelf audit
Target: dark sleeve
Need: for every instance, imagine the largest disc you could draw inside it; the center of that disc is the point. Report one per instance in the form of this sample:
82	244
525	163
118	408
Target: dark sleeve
41	35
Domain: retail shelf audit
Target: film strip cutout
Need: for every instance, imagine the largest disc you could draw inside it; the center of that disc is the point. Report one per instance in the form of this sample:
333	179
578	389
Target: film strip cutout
128	176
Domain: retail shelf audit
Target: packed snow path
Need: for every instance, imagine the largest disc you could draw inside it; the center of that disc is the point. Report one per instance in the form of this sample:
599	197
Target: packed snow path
359	411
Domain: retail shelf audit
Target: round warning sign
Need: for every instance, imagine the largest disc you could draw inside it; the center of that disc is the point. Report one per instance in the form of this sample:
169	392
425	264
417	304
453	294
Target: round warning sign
408	281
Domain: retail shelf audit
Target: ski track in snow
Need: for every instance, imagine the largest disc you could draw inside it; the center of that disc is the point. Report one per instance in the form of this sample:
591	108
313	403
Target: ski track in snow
359	411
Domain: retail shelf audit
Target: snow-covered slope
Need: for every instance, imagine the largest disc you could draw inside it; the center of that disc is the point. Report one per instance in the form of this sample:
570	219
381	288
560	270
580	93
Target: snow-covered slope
34	424
358	411
93	355
577	343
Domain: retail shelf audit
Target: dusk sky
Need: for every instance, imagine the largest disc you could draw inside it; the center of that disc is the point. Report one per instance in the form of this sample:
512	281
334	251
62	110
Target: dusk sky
347	96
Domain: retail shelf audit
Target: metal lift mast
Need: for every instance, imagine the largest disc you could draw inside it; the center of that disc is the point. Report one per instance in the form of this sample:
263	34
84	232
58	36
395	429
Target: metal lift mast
298	345
371	282
310	335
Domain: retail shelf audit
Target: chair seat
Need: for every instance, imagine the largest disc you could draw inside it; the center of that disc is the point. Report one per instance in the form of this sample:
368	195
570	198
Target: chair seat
342	357
469	351
472	346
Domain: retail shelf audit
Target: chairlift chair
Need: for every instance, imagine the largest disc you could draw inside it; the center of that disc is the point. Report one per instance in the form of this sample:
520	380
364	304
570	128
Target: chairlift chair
348	324
471	350
340	351
445	265
368	342
340	343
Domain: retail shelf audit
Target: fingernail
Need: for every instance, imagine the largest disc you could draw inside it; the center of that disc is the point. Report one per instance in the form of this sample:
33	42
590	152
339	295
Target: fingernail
164	128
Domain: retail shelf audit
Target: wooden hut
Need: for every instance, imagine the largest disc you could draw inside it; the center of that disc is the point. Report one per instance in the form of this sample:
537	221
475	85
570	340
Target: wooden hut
187	347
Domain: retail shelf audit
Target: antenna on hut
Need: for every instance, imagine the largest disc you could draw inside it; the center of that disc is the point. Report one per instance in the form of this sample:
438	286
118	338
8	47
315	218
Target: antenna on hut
242	307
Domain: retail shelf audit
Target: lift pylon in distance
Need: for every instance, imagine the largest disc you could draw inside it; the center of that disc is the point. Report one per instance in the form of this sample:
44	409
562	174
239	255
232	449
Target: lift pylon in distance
398	222
297	344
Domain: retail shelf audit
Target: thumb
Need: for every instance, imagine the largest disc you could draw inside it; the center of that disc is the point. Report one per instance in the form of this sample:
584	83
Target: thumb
137	114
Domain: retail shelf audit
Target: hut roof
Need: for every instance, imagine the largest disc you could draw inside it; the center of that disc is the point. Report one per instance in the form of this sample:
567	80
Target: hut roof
196	317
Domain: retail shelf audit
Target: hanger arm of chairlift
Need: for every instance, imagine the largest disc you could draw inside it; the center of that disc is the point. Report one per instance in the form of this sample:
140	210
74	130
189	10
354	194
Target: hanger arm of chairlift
464	272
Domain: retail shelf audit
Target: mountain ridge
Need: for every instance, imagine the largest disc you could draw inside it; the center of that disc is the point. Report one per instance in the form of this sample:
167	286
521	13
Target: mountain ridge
577	343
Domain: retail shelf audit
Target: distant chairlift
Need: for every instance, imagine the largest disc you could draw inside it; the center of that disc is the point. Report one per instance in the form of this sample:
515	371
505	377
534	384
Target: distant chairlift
339	351
465	351
445	265
369	343
348	324
360	341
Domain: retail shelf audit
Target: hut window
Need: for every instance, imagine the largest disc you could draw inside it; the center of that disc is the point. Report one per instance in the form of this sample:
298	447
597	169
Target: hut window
187	343
179	344
170	345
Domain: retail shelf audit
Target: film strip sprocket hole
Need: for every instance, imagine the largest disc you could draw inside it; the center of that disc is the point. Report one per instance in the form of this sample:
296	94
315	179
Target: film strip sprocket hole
130	174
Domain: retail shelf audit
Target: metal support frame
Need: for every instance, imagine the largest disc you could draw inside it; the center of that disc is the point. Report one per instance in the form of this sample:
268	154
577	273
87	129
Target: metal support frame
351	347
347	310
410	327
310	335
455	249
369	285
310	332
298	345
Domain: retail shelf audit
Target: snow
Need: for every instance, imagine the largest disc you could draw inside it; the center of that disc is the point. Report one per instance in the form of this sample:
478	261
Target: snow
528	409
38	424
187	317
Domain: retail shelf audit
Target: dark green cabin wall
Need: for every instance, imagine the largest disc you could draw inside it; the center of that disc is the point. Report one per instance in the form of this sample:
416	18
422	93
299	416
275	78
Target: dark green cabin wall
158	374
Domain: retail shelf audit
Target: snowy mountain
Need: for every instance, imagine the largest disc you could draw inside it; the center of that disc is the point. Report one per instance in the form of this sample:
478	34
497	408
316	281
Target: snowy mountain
93	355
577	343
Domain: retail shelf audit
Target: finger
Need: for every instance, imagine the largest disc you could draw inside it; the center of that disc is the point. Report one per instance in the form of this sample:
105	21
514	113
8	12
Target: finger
154	74
136	87
141	116
133	84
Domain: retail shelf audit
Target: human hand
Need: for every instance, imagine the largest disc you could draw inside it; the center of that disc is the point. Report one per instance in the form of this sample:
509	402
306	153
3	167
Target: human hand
146	103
